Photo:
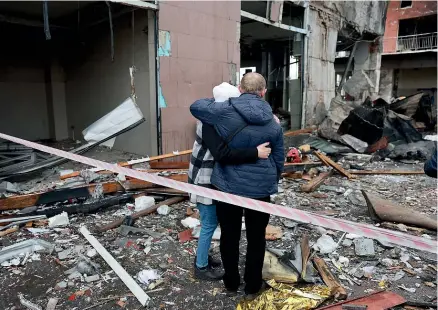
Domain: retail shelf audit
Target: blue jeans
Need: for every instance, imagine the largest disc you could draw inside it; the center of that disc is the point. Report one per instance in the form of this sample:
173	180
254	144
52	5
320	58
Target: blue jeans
208	226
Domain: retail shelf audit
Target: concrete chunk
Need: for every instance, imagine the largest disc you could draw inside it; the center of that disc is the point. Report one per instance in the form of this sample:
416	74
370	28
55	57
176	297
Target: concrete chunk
364	247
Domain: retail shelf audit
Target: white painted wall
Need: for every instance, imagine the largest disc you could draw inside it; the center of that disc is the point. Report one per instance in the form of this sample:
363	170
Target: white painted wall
97	85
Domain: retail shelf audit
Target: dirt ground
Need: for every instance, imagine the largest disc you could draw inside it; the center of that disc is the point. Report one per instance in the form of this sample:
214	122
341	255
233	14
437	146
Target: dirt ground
37	279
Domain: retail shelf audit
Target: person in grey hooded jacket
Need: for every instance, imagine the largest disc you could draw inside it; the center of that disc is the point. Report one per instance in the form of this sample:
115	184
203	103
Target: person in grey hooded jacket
244	122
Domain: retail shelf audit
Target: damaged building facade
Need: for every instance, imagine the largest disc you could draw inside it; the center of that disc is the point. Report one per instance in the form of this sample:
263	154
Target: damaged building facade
409	61
87	58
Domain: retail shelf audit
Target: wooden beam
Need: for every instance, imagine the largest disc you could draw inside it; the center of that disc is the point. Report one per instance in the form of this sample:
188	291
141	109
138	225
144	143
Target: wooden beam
24	201
337	290
136	215
335	166
170	165
130	163
299	132
316	182
142	297
405	172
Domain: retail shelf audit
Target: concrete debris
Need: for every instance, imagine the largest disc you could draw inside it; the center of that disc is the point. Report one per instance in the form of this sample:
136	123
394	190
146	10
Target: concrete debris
91	253
163	210
143	203
325	245
343	261
289	223
355	143
65	254
51	304
24	247
216	234
59	220
398	276
364	247
61	285
368	271
387	262
190	222
28	304
146	276
89	176
8	187
92	278
410	290
83	266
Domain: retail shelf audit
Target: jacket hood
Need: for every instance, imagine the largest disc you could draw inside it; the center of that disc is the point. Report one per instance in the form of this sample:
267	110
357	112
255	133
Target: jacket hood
253	109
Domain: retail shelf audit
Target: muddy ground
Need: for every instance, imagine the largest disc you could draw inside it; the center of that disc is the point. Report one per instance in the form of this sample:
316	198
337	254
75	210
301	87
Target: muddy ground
37	280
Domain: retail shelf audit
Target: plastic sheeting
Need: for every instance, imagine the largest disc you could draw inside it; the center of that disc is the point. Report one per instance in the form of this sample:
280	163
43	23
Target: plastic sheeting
125	115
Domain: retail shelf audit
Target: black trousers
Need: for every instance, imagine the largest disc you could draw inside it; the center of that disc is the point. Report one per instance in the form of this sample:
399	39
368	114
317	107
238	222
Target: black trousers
230	220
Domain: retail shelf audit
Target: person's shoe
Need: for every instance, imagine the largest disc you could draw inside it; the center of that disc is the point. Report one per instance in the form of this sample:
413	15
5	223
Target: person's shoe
208	274
252	296
214	262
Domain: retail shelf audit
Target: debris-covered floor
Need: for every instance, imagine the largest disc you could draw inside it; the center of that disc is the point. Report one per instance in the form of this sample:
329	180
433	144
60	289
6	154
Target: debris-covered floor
362	267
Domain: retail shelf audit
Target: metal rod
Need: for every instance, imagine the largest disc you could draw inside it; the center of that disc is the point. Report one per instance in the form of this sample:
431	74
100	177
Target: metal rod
350	59
110	17
46	20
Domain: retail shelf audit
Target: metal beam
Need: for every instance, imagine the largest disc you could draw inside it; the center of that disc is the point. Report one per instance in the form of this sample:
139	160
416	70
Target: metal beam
274	24
137	3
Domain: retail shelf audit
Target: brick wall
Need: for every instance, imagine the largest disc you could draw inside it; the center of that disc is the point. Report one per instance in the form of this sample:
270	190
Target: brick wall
198	49
395	13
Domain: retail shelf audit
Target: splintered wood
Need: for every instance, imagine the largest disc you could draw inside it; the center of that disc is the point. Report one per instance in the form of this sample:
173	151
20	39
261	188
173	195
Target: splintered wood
329	162
338	291
316	182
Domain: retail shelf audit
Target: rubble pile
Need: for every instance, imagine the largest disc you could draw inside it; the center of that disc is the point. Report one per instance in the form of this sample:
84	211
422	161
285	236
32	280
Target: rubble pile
80	238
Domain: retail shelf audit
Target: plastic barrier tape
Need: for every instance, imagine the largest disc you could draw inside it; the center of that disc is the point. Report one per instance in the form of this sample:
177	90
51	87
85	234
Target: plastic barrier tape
365	230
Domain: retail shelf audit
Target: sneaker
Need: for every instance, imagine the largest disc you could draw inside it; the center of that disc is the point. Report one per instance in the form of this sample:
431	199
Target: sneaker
208	273
214	262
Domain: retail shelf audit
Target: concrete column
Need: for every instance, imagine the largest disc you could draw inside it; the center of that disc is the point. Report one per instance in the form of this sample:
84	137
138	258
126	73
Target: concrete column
55	89
320	77
386	84
154	126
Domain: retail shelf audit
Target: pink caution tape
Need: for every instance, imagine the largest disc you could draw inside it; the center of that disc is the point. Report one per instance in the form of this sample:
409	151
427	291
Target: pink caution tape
368	231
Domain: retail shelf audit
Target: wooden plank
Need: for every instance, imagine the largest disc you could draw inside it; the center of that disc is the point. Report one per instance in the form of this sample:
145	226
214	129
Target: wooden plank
337	167
141	296
170	165
402	172
337	290
165	191
316	182
9	231
299	132
141	213
24	201
132	162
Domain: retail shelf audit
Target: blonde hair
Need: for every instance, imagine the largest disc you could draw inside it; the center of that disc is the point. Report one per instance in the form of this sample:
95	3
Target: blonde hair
253	83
